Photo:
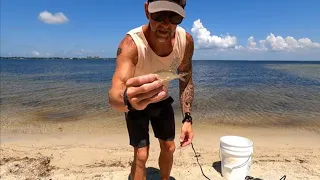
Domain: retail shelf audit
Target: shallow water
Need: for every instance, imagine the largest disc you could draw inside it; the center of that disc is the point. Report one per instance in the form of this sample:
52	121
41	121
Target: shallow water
227	92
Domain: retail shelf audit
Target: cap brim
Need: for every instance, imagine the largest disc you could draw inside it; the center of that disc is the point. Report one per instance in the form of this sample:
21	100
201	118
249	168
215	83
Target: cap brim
166	6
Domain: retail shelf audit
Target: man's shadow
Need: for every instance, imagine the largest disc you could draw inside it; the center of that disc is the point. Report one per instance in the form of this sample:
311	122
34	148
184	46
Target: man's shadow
153	174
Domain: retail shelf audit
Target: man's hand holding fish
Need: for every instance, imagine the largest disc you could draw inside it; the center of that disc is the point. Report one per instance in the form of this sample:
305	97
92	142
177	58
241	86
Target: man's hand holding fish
145	89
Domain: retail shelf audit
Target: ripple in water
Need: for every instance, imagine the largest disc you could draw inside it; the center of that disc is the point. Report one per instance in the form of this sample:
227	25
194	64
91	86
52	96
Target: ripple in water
243	93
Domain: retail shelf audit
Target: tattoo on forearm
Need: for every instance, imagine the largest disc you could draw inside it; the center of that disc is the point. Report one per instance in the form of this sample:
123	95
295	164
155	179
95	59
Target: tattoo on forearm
187	95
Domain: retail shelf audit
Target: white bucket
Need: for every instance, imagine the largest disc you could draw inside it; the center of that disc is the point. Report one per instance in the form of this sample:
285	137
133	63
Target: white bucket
235	155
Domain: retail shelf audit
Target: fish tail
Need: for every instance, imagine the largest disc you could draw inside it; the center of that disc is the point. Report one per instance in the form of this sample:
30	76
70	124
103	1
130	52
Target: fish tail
181	76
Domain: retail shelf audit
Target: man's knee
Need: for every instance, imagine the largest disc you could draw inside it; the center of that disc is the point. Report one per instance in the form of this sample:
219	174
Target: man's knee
141	154
167	146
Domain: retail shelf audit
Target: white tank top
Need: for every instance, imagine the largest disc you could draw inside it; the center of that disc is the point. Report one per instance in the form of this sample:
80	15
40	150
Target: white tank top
149	61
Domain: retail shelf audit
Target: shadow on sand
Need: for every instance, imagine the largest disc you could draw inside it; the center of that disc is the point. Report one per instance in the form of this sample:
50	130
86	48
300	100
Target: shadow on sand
217	166
153	174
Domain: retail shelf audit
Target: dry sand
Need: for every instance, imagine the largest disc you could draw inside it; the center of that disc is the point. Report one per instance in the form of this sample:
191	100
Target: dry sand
83	155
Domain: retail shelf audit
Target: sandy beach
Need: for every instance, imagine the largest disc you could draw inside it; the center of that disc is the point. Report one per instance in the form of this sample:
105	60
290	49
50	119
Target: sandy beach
93	152
57	124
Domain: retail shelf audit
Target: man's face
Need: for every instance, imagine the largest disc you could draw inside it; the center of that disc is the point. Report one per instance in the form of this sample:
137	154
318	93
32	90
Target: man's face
164	24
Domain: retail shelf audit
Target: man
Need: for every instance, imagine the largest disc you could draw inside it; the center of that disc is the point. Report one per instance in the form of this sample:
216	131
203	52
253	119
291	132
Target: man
161	44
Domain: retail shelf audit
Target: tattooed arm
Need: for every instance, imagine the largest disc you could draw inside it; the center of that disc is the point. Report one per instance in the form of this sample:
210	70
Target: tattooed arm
186	92
187	88
127	56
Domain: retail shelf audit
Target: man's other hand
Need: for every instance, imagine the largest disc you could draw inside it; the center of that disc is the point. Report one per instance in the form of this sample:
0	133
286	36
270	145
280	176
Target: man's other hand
186	134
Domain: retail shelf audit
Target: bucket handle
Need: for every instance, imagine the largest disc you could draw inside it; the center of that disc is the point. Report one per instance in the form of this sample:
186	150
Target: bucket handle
239	166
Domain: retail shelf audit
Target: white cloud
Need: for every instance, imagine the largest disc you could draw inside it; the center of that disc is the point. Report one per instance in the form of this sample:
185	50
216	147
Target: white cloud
273	43
251	42
306	42
49	18
288	44
35	53
252	45
239	48
292	42
205	40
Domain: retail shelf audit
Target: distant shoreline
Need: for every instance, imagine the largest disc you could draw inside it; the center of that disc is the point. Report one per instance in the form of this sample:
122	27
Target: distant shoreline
101	58
55	58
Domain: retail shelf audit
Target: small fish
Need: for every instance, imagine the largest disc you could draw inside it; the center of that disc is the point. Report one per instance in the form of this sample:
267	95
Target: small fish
167	75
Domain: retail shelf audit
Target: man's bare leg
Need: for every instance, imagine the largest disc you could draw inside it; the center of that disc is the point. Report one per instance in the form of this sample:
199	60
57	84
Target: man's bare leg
138	167
166	158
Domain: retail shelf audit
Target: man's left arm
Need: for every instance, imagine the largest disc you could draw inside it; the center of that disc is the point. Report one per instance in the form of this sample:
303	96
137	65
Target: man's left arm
187	91
187	88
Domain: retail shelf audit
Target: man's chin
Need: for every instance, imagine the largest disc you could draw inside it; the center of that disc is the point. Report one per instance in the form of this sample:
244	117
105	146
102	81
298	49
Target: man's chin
162	38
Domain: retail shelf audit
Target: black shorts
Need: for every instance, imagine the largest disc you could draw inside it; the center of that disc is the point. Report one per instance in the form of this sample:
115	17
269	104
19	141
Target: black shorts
161	116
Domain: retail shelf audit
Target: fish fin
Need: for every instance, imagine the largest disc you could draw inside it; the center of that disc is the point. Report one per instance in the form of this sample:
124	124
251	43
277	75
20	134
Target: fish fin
182	79
181	76
162	70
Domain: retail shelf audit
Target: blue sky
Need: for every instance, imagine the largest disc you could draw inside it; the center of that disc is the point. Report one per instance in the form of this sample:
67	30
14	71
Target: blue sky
257	30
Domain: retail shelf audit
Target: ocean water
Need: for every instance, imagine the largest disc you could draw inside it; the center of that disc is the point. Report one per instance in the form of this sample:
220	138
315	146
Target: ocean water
248	93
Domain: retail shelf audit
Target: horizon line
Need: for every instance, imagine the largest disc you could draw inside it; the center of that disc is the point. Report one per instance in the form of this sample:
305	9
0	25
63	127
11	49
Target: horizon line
114	58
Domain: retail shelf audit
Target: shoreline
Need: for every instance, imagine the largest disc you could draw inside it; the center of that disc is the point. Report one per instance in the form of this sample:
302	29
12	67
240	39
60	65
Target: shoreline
107	155
50	120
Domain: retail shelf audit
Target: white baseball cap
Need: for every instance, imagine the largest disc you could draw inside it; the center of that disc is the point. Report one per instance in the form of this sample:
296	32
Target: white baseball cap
176	6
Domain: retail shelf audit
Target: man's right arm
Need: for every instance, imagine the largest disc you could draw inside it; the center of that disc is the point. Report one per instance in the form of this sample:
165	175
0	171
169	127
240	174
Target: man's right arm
127	57
141	90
